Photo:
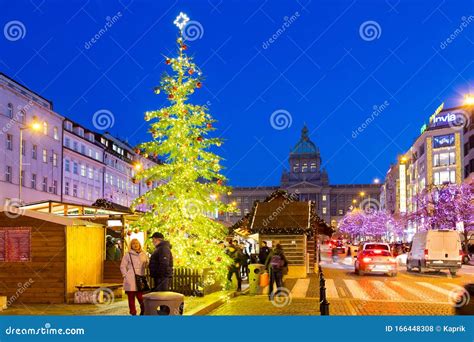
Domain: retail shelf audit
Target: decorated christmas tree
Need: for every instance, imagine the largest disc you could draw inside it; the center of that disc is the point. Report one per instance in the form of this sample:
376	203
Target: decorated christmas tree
185	204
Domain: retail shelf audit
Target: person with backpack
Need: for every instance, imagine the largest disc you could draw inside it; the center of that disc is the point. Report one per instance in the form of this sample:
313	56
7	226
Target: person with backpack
276	264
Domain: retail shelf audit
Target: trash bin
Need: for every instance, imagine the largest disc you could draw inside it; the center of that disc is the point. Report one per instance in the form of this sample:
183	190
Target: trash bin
255	270
163	303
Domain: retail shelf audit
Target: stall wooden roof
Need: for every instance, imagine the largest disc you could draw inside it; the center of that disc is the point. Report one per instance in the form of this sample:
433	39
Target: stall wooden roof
61	220
282	213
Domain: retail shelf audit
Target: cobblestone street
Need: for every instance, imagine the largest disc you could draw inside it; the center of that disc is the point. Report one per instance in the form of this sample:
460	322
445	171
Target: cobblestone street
349	294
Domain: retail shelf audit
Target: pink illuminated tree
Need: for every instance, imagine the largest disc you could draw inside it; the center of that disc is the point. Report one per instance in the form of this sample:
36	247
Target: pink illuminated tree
446	207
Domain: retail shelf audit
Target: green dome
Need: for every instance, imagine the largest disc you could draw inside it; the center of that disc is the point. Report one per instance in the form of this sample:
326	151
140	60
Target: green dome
305	145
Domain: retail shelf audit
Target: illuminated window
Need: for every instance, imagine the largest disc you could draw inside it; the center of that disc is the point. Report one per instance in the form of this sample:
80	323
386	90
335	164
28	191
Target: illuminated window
324	210
304	168
45	128
313	167
55	133
324	197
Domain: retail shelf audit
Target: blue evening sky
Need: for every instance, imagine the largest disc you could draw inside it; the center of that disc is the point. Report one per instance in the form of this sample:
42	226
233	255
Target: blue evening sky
321	69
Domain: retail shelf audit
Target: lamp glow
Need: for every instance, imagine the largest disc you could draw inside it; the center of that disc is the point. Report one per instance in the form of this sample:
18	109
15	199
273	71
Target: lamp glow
469	99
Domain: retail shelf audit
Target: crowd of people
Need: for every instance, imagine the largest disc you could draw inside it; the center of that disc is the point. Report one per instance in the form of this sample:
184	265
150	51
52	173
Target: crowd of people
274	260
136	262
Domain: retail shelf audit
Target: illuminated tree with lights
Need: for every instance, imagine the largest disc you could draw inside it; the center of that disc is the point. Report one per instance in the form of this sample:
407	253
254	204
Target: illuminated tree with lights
187	198
446	206
371	225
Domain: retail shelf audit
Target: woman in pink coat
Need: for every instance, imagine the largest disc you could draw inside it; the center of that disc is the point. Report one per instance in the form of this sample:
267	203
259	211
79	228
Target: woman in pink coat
140	261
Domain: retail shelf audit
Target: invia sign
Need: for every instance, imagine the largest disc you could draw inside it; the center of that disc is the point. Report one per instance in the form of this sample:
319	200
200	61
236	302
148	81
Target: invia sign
447	119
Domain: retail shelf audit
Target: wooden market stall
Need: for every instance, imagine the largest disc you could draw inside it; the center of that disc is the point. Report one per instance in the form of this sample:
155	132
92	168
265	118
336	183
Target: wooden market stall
282	218
43	256
114	217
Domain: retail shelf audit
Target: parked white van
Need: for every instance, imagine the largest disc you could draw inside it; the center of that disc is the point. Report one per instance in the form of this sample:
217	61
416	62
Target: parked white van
435	250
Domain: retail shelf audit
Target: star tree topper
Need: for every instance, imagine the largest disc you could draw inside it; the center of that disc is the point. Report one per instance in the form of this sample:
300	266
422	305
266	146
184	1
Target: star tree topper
181	20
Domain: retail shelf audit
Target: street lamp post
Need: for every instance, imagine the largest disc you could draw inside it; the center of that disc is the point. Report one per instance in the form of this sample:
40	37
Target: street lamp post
35	126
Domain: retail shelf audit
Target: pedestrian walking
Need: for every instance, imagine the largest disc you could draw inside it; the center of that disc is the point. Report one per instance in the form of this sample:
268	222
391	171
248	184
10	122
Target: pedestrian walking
234	253
134	264
276	264
161	263
263	254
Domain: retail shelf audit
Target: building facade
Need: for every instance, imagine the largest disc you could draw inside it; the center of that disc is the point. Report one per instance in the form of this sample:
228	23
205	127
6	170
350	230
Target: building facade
310	182
440	155
61	160
41	147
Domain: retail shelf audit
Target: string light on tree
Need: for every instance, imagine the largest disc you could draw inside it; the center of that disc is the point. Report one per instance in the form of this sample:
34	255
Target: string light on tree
190	185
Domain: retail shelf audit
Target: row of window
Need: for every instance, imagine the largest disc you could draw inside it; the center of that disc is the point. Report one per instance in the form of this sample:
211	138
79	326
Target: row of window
81	169
53	157
22	118
82	150
442	177
81	190
304	167
46	186
444	159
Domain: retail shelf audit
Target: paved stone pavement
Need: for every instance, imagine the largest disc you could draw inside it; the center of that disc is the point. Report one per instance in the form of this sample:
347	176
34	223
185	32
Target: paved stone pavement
350	294
260	305
118	307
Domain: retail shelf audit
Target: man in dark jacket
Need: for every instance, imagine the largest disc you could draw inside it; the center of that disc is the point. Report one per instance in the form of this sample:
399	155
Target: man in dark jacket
234	252
161	263
276	264
263	254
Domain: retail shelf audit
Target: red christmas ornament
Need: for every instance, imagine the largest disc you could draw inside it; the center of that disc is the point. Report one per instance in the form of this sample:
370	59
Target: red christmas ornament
149	183
137	151
183	47
170	96
219	181
219	259
198	85
135	181
168	61
190	71
129	232
209	125
199	139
